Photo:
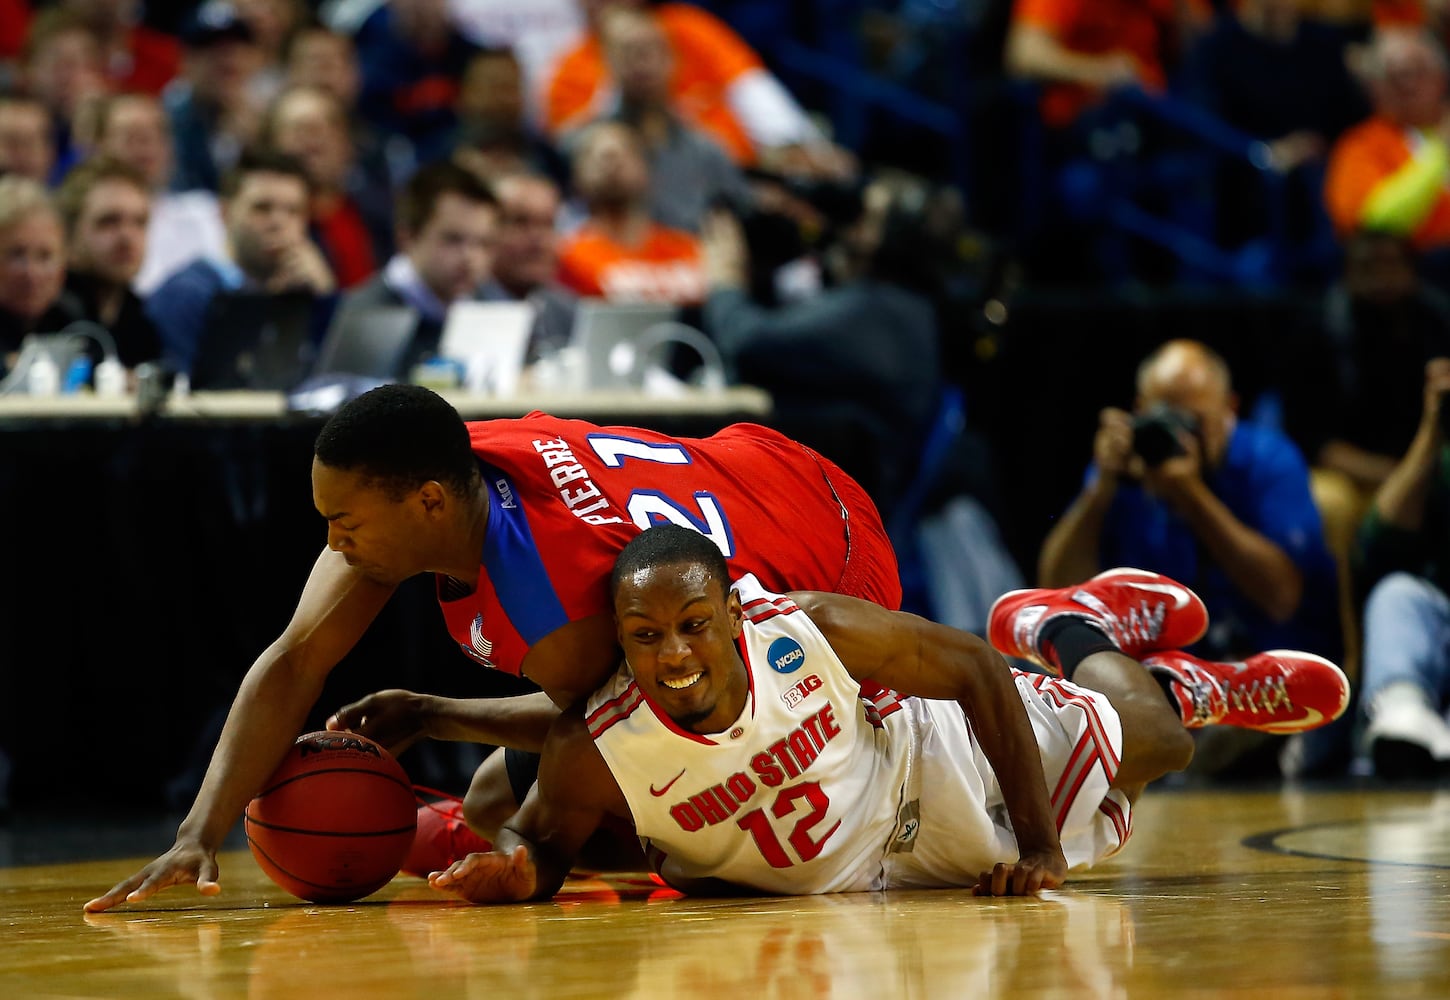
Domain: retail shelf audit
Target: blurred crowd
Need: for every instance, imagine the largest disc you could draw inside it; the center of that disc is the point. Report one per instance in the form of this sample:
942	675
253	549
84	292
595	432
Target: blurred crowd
840	195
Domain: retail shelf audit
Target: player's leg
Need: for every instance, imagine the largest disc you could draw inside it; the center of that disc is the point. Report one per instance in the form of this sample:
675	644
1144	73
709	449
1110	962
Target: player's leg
449	828
498	788
1406	676
1155	741
1084	632
1136	610
501	784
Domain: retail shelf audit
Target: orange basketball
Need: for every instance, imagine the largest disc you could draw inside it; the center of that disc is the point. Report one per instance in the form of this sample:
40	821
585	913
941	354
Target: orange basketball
335	820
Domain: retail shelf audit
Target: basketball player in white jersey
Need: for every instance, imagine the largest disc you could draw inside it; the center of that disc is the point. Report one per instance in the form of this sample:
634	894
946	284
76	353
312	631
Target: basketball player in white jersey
749	740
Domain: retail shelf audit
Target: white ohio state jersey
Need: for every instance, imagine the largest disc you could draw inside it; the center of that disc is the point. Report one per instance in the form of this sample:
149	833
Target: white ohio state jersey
803	794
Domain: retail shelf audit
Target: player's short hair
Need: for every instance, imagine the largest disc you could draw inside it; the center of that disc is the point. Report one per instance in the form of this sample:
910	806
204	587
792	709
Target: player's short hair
668	545
400	437
419	198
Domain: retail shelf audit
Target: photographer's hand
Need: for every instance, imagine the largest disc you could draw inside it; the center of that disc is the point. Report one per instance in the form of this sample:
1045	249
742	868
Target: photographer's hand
1113	447
1437	385
1174	479
1401	500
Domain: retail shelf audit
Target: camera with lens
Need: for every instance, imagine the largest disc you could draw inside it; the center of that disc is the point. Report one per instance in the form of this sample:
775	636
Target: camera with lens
1156	433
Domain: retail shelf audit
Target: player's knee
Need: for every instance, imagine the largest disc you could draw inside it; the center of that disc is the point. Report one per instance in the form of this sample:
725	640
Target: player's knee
490	800
1177	748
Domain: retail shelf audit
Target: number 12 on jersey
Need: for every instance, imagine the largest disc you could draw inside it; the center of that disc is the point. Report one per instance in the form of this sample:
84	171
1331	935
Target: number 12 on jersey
807	848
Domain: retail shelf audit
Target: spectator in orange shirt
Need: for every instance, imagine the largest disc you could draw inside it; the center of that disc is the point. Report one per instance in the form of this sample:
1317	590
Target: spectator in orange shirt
1083	49
1389	172
689	169
719	85
620	253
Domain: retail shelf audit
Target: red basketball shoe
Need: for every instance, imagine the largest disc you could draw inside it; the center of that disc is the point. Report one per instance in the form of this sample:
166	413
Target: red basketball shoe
1281	691
442	838
1141	612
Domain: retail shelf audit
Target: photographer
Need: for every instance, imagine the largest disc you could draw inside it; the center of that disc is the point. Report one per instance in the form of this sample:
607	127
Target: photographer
1183	488
1402	558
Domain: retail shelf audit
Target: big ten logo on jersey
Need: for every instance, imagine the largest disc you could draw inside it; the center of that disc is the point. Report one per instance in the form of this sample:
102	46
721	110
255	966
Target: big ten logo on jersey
801	691
576	489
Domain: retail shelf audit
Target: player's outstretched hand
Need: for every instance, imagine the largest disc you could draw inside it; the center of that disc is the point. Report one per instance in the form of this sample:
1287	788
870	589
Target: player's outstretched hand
395	718
490	877
1033	872
187	861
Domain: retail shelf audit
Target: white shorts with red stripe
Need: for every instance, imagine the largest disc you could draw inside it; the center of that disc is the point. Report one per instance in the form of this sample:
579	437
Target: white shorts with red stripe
962	827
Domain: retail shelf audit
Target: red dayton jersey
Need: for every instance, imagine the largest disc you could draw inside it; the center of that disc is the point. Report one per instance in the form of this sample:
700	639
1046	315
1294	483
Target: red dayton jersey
565	496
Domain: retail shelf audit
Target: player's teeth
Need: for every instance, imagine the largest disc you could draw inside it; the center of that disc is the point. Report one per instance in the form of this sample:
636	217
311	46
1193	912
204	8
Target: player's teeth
681	682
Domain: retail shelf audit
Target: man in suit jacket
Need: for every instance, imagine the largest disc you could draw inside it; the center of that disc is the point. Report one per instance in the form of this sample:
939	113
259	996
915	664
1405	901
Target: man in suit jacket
447	221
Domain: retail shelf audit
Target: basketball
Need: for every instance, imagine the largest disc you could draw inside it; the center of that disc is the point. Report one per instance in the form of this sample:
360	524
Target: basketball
336	819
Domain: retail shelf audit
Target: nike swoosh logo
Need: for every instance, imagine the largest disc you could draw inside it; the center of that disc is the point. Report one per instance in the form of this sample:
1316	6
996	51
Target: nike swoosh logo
659	792
1313	719
1179	595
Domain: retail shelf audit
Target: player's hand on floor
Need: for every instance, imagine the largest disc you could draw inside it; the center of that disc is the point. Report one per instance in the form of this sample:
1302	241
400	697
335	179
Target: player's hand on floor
490	877
395	718
1031	873
187	861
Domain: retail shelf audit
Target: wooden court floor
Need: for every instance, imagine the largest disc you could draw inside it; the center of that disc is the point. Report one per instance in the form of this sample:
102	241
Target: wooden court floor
1278	893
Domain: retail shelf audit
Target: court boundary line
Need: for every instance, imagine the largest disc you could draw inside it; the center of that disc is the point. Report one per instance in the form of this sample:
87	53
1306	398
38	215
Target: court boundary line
1265	843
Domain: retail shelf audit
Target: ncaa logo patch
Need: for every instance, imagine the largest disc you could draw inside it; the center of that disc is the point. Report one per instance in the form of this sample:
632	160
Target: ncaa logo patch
785	655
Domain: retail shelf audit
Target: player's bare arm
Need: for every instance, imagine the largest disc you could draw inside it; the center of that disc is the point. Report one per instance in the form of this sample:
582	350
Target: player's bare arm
573	660
335	609
397	719
567	663
917	657
574	793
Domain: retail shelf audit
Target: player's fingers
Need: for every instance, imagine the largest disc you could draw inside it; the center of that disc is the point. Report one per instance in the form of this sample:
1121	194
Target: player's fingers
208	877
118	892
347	718
454	872
1001	875
1027	880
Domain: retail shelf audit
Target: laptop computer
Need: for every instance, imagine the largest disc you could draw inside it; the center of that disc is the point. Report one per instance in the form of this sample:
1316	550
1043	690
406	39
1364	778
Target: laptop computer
605	334
257	341
369	340
490	340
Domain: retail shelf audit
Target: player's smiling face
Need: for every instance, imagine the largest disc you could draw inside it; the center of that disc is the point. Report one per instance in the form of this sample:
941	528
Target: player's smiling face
678	625
378	534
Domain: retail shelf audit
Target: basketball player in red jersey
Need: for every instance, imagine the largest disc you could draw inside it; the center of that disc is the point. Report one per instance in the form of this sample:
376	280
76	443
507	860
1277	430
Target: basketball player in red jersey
520	521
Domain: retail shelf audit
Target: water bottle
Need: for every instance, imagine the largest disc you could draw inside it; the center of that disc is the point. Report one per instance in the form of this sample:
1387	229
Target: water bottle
43	376
110	378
